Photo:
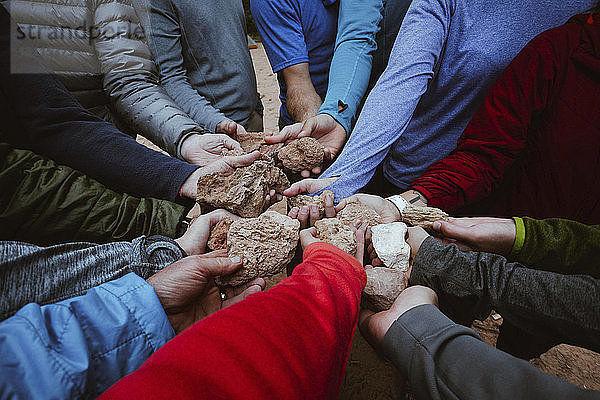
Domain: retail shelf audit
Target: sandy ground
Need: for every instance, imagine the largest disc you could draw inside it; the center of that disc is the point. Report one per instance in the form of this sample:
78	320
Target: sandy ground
367	375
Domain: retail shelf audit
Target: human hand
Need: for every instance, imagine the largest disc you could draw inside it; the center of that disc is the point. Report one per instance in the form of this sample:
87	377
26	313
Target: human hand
308	215
204	149
187	291
490	235
373	326
231	128
307	237
386	209
194	240
308	186
225	165
322	127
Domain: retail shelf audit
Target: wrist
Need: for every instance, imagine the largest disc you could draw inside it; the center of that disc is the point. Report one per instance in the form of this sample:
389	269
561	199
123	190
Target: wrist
189	188
397	206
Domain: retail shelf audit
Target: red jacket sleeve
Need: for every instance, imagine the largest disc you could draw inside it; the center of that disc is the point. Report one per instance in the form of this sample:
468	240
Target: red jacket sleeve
497	134
290	342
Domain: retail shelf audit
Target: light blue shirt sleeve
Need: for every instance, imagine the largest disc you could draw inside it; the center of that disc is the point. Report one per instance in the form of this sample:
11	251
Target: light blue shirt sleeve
392	102
350	71
80	347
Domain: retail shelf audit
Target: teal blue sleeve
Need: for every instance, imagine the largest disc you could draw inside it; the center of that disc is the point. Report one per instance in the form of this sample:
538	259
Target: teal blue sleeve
350	71
80	347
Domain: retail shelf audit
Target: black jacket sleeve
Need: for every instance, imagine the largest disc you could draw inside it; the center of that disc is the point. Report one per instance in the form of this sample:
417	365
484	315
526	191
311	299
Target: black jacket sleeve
443	360
45	118
559	308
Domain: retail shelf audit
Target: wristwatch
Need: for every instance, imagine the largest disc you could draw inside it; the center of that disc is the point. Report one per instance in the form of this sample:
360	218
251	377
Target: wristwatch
399	201
182	226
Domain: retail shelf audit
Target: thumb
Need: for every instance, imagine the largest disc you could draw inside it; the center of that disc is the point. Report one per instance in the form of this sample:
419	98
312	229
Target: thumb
243	160
249	291
308	128
216	266
452	231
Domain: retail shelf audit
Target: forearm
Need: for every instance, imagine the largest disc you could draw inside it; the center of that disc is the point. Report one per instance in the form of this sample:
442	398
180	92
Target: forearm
309	318
37	186
302	102
350	71
558	307
559	245
426	347
104	335
44	275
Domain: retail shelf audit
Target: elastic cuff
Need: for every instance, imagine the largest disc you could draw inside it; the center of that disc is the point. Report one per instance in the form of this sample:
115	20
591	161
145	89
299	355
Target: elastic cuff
519	238
182	139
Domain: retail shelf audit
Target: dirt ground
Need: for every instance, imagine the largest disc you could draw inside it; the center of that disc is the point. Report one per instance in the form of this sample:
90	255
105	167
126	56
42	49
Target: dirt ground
367	375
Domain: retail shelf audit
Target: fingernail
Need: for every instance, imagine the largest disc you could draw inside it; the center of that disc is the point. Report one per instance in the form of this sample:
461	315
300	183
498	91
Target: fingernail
304	209
437	225
236	260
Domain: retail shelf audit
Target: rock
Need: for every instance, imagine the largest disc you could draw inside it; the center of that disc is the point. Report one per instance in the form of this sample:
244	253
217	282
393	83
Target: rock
244	191
333	231
389	241
304	200
218	235
301	154
253	141
423	216
281	206
266	245
356	210
384	285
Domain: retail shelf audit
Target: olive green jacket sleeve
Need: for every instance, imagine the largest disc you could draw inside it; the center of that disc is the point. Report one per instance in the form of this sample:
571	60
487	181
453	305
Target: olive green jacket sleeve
45	203
558	245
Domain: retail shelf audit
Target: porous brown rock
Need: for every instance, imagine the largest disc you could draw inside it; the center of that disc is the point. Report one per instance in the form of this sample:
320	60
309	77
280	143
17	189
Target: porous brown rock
281	206
304	200
253	141
423	216
357	210
304	153
218	235
389	242
265	244
333	231
384	285
244	191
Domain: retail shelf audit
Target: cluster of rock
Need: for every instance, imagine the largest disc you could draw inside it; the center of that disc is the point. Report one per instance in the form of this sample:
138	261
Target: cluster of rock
266	240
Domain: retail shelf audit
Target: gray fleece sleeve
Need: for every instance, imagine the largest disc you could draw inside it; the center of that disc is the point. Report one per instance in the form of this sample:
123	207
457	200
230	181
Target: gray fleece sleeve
559	308
45	275
443	360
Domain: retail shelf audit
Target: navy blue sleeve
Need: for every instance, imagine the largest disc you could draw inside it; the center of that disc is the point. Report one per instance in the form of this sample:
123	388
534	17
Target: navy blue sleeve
56	126
280	28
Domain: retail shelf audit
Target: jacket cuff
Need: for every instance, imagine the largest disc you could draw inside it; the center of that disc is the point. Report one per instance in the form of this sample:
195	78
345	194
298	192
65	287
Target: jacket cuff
519	238
186	134
408	333
152	254
214	120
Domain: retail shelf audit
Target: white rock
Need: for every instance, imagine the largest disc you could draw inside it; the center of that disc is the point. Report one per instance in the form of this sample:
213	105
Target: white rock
389	241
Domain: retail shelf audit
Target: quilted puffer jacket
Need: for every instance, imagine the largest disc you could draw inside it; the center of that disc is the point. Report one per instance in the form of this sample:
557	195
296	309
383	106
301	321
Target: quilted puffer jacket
99	50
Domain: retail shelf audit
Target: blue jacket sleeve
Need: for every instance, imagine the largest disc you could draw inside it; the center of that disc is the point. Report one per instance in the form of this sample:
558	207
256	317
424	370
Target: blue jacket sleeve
42	116
79	347
392	102
350	71
443	360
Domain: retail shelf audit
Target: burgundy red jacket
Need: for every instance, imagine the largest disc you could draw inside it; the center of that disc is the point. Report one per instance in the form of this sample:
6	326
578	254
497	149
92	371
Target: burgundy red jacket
290	342
533	148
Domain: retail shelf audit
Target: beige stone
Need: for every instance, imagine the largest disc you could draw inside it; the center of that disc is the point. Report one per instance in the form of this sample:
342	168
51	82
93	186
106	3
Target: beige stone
423	216
389	242
304	153
333	231
281	206
265	244
218	235
357	210
304	200
244	191
384	285
253	141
